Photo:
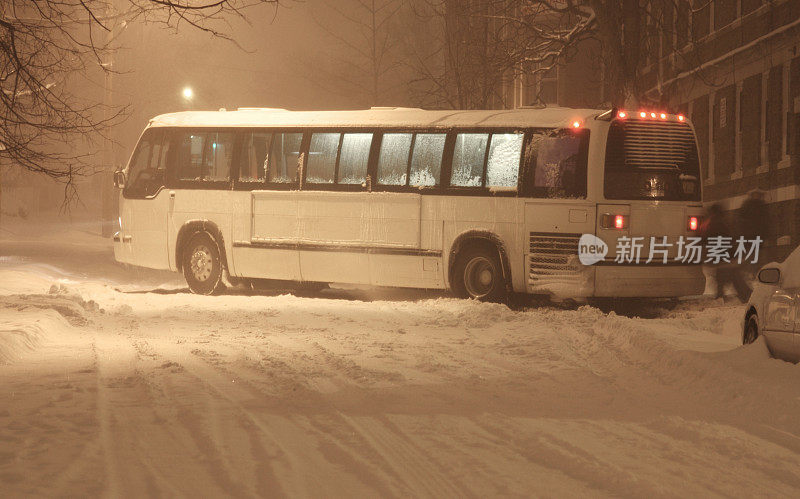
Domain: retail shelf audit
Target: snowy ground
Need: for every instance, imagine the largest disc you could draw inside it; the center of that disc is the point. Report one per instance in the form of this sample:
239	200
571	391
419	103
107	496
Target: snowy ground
116	381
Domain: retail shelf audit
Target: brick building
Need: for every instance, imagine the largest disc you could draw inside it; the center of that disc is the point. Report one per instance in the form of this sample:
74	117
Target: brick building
743	96
734	67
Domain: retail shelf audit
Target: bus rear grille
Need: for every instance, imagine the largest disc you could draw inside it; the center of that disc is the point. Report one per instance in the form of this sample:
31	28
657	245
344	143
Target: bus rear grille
553	257
656	144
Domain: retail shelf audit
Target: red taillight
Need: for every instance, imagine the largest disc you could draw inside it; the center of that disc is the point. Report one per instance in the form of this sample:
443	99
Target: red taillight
609	221
693	223
576	124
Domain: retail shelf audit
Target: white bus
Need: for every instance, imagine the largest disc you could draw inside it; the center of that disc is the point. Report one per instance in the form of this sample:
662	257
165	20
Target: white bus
483	203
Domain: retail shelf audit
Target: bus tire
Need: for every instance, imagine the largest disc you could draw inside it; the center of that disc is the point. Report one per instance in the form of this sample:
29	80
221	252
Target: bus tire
202	266
477	274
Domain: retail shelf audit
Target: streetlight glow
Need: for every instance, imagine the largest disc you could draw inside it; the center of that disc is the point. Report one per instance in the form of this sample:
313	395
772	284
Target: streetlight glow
188	93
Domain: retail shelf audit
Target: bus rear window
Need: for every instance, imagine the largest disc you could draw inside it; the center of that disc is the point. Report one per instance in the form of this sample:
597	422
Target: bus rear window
651	160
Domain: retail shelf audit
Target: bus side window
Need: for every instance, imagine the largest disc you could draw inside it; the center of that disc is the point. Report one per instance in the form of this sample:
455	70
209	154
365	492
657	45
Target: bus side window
426	160
354	157
283	157
218	156
253	160
469	157
190	157
205	156
322	153
393	159
560	166
502	168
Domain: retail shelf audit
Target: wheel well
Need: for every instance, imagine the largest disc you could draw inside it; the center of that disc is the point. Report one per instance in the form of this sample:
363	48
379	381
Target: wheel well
750	312
191	228
479	239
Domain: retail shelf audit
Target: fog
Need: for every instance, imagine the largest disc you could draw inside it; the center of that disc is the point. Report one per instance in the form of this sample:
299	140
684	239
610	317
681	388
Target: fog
287	57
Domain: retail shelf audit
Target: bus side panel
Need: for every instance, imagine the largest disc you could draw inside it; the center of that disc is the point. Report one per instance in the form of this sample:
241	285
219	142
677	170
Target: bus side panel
199	204
265	237
553	228
333	231
498	216
123	249
395	240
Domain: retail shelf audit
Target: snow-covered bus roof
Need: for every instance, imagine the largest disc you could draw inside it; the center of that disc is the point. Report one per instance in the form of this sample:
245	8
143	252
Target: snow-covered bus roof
549	117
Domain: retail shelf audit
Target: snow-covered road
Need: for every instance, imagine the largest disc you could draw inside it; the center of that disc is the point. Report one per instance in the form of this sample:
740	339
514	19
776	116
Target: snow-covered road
115	381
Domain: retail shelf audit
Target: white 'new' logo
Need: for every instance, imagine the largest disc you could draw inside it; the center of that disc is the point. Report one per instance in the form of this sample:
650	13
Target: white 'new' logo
591	249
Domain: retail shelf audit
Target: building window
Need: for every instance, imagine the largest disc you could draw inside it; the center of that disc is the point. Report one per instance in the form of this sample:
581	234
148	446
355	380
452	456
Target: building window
548	86
774	115
701	18
749	6
725	131
700	121
750	122
682	27
725	12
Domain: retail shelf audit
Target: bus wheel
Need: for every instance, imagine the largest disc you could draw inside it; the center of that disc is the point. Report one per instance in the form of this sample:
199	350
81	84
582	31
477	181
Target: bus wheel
477	274
202	267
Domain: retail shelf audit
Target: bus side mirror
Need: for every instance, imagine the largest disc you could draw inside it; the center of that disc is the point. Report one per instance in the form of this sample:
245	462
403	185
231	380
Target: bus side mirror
119	179
769	276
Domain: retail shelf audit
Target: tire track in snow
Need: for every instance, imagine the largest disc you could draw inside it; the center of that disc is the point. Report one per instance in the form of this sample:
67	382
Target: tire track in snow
301	468
134	436
385	443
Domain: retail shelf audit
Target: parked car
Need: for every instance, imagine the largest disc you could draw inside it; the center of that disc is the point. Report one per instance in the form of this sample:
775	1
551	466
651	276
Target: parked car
773	310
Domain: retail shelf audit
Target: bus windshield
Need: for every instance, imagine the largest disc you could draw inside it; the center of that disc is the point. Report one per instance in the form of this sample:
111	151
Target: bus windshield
651	160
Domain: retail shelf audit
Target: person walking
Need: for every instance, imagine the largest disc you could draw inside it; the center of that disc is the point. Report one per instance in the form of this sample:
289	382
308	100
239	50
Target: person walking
716	233
753	220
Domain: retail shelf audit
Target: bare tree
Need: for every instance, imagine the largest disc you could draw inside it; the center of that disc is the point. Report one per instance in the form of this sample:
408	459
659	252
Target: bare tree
47	49
479	45
364	59
456	56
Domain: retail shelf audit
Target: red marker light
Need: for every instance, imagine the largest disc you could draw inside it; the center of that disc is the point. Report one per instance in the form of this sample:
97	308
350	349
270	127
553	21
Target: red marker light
663	116
681	117
576	124
609	221
622	114
642	114
693	223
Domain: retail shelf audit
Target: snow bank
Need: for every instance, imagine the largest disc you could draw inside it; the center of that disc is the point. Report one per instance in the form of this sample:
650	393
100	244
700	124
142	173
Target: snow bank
23	331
